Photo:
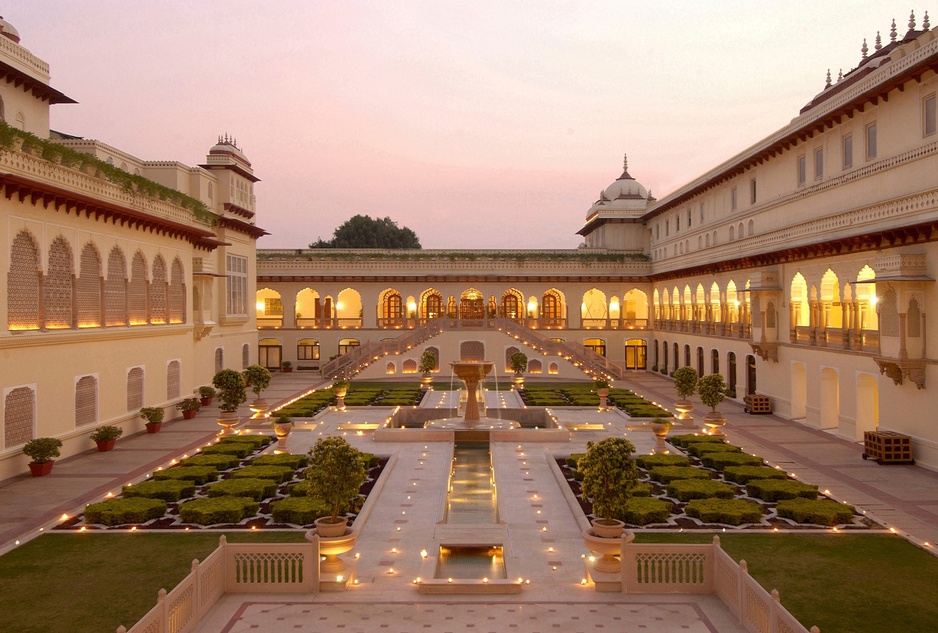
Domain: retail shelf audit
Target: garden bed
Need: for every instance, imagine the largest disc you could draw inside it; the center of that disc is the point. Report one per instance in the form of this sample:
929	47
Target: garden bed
359	395
584	395
718	500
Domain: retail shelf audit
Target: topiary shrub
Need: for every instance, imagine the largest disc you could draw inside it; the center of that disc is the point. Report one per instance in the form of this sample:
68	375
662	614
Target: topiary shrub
335	475
167	490
699	449
217	510
197	474
256	489
124	511
667	474
642	490
719	461
772	490
279	474
687	489
370	460
289	460
231	390
682	441
218	462
300	489
238	449
257	440
711	389
609	475
816	511
574	459
643	510
685	382
742	474
653	461
298	510
726	511
259	377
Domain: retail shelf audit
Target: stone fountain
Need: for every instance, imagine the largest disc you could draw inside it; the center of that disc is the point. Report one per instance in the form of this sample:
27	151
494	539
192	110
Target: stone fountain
472	373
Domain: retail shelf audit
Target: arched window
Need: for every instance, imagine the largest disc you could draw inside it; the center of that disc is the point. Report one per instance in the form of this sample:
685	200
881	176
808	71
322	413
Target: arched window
115	289
135	389
512	304
346	345
137	291
534	366
714	361
86	401
552	308
596	345
392	308
58	286
409	366
177	293
158	292
19	414
246	357
700	361
687	356
89	288
173	379
307	349
23	284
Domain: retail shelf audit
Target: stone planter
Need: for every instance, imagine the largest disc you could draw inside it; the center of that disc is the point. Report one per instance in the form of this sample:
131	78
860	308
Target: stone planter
331	547
607	547
259	404
282	431
714	421
684	407
340	398
661	434
603	393
425	382
327	529
607	528
228	420
518	382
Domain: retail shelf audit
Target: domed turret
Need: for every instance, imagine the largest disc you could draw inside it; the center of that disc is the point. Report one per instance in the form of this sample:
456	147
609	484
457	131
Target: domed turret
8	30
624	194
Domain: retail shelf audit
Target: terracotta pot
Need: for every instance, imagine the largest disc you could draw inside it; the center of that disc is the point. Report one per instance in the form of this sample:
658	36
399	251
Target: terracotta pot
327	529
206	401
287	370
105	445
188	415
154	428
607	528
40	470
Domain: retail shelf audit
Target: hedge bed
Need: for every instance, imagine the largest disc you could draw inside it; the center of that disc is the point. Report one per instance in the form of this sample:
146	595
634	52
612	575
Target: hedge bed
667	474
649	462
167	490
124	511
742	474
298	510
780	489
256	489
682	441
218	462
688	489
197	474
719	461
817	511
238	449
289	460
644	510
726	511
278	474
217	510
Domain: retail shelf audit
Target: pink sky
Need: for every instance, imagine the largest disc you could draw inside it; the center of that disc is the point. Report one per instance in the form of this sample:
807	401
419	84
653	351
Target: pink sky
477	124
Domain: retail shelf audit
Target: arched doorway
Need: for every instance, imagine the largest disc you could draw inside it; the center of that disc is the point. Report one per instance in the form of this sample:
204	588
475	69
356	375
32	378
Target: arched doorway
700	361
731	371
636	354
597	345
867	405
472	305
714	361
750	374
269	353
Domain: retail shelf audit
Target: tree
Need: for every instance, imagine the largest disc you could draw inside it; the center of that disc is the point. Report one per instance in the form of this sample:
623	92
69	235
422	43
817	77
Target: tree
685	382
362	231
609	476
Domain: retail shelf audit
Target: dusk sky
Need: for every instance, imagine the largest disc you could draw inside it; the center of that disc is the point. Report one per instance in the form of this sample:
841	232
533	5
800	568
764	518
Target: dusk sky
477	124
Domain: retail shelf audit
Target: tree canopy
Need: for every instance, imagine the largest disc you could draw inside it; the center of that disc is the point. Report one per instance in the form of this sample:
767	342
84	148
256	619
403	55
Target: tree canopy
362	231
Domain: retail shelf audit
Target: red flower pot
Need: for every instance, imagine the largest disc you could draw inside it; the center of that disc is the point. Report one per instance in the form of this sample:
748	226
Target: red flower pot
105	445
39	470
154	428
206	401
188	415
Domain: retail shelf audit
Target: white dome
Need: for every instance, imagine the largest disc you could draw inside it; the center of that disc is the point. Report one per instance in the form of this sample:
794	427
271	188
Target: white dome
8	30
625	194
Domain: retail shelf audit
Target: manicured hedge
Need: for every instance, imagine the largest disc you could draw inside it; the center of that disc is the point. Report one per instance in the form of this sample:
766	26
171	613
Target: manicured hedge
644	510
642	490
687	489
652	461
218	462
742	474
371	460
726	511
699	449
217	510
298	510
299	489
256	489
778	489
719	461
238	449
816	511
124	511
574	459
279	474
197	474
167	490
290	460
682	441
667	474
257	440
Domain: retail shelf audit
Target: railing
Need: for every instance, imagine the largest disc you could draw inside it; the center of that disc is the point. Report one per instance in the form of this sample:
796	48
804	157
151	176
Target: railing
686	568
576	354
269	322
350	362
614	324
232	568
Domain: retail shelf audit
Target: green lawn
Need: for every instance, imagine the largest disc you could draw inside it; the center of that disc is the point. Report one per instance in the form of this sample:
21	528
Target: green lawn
95	582
840	582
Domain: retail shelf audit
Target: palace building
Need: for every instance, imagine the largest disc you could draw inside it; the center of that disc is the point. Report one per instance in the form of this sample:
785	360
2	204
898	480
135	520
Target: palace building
802	268
128	282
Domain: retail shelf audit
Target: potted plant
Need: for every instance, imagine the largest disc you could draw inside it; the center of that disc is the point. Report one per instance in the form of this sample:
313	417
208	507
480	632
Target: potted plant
231	391
106	436
189	407
602	390
340	389
282	426
42	451
661	426
336	473
609	476
206	395
154	418
259	379
426	365
712	390
286	367
685	383
518	362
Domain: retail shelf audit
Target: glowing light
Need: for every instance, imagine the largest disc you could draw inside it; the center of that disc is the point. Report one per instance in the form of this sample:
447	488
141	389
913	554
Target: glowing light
64	517
423	553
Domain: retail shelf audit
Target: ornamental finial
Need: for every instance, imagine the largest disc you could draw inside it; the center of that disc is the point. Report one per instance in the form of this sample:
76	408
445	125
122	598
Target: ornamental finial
840	75
827	84
892	31
864	49
625	162
925	23
879	42
912	21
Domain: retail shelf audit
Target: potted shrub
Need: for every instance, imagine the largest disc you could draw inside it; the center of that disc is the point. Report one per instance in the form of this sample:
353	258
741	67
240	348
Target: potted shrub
106	436
609	476
685	383
712	390
286	367
602	390
259	379
282	426
232	393
189	407
153	417
336	473
340	389
426	365
661	426
206	395
518	362
42	451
